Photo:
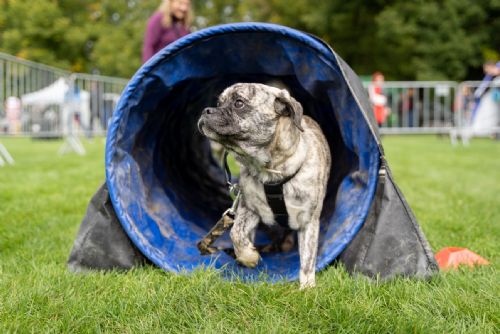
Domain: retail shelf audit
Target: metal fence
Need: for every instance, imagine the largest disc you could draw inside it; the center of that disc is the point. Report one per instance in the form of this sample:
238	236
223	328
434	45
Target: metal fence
44	101
19	78
413	107
99	95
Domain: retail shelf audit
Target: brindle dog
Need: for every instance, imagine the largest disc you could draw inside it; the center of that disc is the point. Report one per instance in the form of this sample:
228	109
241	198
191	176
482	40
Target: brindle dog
273	142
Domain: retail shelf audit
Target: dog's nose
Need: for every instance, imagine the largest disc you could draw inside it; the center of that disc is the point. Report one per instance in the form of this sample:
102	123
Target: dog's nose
208	111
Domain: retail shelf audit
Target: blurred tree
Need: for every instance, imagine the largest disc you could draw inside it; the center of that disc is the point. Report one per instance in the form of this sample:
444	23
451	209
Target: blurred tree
116	35
349	26
491	49
213	12
90	36
38	31
420	39
430	40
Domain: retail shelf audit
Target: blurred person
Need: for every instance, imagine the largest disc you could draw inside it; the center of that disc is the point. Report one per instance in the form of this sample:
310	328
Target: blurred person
464	102
170	22
378	99
13	114
485	116
96	102
491	71
407	107
491	68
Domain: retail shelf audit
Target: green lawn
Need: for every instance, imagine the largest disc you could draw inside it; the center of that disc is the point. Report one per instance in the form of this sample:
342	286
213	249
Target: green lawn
454	191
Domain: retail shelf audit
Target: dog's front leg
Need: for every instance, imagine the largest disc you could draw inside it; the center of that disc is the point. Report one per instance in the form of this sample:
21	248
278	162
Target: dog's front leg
243	234
308	249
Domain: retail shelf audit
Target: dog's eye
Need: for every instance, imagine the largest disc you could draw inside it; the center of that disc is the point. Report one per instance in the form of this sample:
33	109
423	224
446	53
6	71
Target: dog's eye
238	104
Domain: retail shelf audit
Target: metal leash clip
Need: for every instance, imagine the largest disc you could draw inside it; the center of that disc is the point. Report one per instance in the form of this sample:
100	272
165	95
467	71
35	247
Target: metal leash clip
232	210
234	188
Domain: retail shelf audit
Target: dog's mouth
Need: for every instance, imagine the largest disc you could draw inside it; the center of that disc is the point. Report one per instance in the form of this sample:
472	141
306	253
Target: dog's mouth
208	130
221	132
214	135
201	124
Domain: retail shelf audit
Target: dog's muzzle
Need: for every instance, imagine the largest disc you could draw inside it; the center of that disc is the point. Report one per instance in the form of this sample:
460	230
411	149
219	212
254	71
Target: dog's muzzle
202	121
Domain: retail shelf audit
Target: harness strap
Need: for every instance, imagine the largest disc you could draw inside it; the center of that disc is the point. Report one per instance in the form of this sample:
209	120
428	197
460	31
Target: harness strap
227	171
276	201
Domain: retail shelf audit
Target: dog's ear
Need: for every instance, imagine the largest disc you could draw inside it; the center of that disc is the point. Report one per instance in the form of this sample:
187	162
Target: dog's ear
286	105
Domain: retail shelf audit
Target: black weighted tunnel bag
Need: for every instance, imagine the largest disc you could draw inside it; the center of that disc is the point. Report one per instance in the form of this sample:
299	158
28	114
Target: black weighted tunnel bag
164	190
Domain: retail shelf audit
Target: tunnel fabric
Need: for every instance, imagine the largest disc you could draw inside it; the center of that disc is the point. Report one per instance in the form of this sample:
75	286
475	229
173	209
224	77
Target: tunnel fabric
167	190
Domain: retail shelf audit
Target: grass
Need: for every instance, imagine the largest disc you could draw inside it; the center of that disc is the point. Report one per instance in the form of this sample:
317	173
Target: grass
455	193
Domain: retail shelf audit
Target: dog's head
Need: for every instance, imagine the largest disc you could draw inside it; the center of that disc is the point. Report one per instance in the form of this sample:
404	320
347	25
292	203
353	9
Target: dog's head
247	114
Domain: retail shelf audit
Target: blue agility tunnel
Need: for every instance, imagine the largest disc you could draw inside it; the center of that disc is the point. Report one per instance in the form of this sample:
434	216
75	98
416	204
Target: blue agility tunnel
167	190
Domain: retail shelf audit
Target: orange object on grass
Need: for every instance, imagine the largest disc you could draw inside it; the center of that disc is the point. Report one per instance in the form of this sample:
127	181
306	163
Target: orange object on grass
452	257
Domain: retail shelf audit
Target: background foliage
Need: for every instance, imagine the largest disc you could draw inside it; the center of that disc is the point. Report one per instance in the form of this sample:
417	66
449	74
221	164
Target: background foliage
407	40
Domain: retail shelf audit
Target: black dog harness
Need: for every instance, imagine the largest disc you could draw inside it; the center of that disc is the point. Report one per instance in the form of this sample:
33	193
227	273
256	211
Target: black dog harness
276	200
274	197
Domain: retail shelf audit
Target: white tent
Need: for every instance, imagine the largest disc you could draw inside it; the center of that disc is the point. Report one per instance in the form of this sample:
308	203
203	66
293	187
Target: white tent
58	93
52	94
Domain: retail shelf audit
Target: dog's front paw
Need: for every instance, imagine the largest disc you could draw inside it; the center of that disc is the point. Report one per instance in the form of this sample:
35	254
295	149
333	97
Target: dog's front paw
307	280
248	257
307	285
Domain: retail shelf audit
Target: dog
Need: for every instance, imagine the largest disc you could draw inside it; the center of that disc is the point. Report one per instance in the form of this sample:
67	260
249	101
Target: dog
274	143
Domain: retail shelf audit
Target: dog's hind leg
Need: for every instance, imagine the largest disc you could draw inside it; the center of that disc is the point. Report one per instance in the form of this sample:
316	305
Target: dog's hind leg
308	249
242	235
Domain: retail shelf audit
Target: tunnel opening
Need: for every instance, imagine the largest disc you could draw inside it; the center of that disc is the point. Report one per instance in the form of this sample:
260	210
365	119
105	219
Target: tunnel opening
166	186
